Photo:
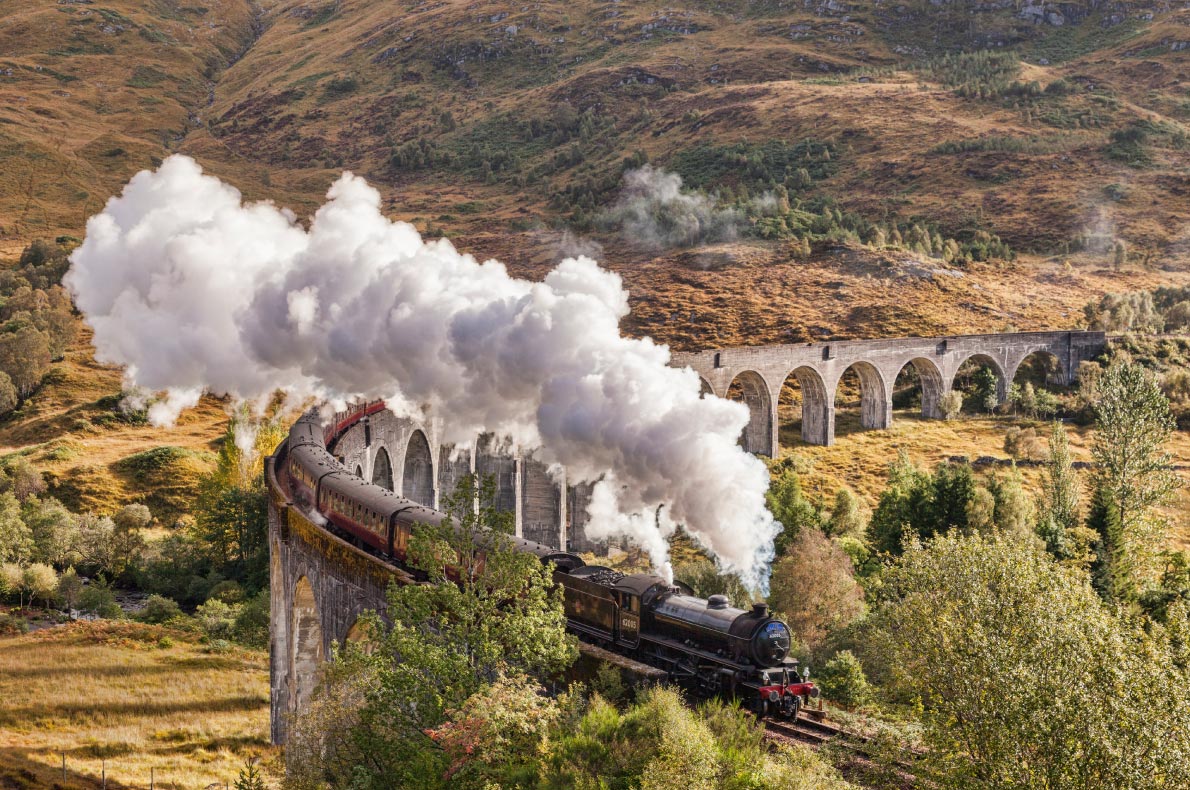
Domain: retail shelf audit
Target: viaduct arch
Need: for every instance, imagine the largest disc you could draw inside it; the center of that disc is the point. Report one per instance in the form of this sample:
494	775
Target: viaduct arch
756	375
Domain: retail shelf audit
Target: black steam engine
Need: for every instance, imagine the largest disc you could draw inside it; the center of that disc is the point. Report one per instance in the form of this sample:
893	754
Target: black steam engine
707	646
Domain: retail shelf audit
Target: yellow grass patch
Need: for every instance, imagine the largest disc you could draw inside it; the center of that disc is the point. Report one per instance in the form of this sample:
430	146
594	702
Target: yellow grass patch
128	698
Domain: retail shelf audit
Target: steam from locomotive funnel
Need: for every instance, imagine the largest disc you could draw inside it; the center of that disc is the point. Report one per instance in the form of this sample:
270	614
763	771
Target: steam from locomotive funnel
193	290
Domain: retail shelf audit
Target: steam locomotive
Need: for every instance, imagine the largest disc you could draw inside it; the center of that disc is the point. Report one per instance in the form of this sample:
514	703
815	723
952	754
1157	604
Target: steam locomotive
705	645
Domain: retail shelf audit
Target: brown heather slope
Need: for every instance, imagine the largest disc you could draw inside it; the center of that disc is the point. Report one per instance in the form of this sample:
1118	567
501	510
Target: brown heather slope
98	91
91	93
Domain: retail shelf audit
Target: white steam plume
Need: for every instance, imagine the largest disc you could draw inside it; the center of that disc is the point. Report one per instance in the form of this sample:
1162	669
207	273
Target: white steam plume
654	210
194	291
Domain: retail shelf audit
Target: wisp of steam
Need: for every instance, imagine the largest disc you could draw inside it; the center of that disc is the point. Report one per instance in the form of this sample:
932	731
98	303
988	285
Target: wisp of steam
194	291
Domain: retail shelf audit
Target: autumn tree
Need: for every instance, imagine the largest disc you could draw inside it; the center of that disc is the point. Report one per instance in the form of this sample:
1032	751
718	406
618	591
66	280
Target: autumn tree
8	394
22	479
25	357
813	585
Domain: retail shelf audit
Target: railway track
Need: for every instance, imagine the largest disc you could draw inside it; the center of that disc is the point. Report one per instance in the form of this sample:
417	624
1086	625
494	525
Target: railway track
805	729
809	729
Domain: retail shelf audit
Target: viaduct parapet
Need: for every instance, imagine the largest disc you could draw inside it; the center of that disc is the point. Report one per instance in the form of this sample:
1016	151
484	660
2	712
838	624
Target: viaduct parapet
408	458
761	372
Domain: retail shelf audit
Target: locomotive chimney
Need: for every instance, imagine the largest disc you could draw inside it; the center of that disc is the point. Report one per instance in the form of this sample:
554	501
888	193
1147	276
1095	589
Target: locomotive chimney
760	609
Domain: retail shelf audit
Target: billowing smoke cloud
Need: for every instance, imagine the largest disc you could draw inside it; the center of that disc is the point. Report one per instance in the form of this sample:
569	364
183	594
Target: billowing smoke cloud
195	291
653	210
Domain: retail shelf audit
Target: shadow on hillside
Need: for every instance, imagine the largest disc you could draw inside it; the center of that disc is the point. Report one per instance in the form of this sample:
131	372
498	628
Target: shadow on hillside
196	664
82	712
18	772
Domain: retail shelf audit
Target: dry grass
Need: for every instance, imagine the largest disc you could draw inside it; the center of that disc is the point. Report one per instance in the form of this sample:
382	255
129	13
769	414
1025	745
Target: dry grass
119	695
859	459
69	430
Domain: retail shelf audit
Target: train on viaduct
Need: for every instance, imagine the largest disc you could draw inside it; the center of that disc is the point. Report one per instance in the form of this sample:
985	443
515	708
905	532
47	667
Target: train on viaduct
321	584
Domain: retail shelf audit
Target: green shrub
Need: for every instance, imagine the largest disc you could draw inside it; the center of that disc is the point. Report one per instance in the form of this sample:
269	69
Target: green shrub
842	681
159	609
252	621
217	618
98	599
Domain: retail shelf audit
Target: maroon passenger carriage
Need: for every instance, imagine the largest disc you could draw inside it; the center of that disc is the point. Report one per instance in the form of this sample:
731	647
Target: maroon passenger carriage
705	645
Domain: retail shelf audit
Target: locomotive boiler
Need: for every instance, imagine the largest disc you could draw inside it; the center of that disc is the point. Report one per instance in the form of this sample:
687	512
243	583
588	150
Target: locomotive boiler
705	645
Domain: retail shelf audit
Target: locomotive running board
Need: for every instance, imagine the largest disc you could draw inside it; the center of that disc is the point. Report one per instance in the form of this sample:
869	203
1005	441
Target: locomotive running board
649	673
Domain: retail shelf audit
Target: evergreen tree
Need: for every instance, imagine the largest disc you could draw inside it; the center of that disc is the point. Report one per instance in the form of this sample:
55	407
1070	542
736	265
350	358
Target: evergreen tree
791	510
1111	573
903	501
953	486
1059	496
1133	475
250	777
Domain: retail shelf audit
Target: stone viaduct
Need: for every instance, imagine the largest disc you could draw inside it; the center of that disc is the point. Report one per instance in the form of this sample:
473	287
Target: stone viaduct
760	373
407	457
320	584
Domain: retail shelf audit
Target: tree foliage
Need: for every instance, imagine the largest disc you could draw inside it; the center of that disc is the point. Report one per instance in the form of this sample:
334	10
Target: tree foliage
1024	677
916	502
813	586
1059	507
1133	473
659	743
788	505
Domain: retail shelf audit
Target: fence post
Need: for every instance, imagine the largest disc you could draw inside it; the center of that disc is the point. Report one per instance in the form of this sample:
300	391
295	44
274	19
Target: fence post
151	777
103	770
63	767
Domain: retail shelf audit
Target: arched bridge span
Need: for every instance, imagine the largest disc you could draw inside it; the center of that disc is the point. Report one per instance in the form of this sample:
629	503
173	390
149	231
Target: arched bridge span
757	374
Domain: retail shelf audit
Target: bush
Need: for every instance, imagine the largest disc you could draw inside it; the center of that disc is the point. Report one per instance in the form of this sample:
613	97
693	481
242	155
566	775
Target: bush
97	599
252	621
842	681
12	625
217	618
159	609
951	404
228	591
1024	443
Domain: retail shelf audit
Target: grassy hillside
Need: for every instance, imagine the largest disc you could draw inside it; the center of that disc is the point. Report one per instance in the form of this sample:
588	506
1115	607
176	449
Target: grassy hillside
508	106
91	93
99	456
127	697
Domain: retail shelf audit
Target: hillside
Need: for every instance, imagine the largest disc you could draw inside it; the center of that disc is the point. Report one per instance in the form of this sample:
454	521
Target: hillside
495	117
